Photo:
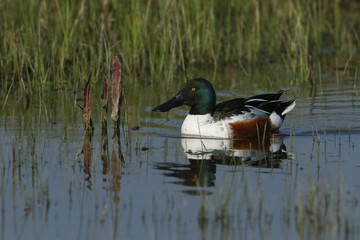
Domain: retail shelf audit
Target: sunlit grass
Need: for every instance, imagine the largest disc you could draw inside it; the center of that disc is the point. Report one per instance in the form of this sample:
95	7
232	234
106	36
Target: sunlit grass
51	44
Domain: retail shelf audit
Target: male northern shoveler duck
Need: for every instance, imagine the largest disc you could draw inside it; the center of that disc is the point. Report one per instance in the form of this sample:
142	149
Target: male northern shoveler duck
237	118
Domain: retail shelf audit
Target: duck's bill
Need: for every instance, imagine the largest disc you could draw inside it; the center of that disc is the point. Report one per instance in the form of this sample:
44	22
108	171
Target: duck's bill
176	101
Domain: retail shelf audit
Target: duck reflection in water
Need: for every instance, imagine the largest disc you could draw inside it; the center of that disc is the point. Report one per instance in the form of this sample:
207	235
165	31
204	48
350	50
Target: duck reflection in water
204	154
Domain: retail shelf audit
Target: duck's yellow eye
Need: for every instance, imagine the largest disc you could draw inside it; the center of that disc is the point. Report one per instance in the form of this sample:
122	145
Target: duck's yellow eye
193	89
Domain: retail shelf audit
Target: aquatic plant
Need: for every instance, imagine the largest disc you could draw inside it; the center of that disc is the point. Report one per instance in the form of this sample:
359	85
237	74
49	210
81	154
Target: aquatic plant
104	100
87	105
104	95
117	91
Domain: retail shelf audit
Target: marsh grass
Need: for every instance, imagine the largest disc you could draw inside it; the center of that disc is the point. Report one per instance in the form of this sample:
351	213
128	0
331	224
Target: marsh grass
324	211
50	44
316	207
226	213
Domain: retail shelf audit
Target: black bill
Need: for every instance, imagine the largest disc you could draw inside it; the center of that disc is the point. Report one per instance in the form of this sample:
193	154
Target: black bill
176	101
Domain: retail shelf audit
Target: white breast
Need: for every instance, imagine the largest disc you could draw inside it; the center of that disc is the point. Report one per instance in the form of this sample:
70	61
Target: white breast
205	126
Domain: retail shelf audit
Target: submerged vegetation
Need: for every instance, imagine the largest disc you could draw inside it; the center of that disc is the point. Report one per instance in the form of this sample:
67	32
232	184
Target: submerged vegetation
50	44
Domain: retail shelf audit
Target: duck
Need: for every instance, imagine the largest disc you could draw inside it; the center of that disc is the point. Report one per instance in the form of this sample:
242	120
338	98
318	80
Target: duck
238	118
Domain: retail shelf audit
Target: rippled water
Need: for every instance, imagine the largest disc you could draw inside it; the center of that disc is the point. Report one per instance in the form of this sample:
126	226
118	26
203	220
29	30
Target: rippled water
150	183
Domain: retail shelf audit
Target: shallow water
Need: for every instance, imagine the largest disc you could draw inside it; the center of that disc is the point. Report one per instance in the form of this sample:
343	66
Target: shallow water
152	184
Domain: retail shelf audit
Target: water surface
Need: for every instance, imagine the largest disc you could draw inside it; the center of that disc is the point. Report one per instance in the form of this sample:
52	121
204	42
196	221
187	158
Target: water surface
149	183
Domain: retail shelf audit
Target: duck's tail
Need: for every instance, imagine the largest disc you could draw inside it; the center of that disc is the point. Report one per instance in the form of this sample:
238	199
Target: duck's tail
278	115
285	107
